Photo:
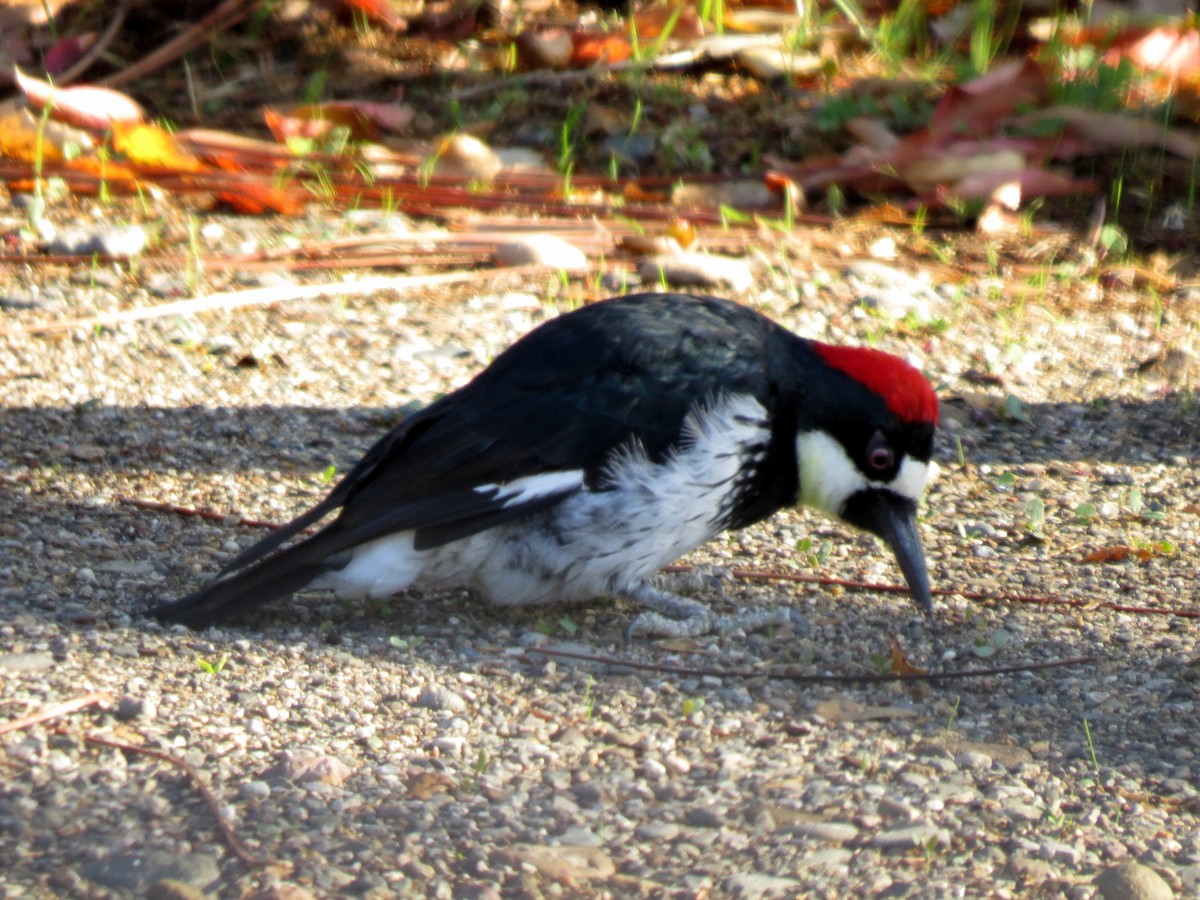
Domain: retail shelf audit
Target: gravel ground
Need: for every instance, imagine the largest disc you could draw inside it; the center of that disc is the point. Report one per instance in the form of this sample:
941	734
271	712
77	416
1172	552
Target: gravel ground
420	747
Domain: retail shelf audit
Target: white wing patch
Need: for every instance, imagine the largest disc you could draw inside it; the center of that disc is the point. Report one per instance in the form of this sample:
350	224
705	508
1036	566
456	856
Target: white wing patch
533	487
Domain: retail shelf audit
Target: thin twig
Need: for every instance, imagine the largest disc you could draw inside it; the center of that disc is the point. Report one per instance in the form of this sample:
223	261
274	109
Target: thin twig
228	13
789	674
826	581
194	512
98	46
240	850
265	296
58	709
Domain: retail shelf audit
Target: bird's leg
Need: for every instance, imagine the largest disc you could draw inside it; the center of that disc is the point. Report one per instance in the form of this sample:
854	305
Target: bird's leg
695	580
673	616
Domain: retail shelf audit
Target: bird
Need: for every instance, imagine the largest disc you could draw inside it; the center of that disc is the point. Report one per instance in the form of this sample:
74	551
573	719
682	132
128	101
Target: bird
600	447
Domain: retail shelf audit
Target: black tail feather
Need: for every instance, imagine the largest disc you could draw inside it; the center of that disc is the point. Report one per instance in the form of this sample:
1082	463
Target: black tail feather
283	574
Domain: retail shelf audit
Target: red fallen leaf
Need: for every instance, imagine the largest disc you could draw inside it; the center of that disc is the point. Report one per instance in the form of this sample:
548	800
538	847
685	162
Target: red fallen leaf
256	199
650	23
979	105
363	120
67	51
1119	553
316	123
592	48
900	664
83	106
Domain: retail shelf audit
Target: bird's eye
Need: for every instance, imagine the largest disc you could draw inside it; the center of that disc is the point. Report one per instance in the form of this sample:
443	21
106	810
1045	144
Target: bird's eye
879	455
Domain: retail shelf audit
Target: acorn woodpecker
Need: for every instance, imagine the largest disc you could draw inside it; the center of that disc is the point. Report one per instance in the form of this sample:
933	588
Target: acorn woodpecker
603	445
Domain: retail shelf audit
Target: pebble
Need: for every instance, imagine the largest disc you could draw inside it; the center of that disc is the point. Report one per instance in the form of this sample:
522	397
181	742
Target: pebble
657	831
753	885
25	662
1058	851
565	862
137	871
704	817
121	241
465	156
307	766
1132	881
830	832
441	698
541	250
255	790
910	836
130	708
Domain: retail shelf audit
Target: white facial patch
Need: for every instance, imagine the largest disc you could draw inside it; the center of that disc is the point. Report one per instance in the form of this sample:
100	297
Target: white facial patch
828	477
910	481
533	487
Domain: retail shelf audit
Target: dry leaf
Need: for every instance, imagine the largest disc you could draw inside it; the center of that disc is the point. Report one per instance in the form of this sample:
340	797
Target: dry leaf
594	48
83	106
900	664
428	784
1119	553
154	147
255	199
650	23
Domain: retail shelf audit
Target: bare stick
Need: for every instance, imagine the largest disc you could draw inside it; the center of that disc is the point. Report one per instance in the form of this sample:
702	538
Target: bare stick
240	850
228	13
191	511
265	296
58	709
98	46
788	674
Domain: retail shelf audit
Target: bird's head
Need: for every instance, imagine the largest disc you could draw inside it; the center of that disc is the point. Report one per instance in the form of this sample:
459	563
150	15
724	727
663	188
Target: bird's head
864	444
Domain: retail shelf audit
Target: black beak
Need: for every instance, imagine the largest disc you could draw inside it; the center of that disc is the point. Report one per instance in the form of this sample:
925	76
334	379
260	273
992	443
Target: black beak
894	518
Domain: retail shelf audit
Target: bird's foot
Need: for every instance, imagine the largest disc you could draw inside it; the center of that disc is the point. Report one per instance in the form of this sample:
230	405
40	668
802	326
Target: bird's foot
672	616
696	580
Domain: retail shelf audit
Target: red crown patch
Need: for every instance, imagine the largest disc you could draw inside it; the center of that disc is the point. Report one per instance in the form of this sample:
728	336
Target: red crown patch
906	391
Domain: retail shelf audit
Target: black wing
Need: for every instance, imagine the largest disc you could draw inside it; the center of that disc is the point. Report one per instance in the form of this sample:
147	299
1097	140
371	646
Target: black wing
563	398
